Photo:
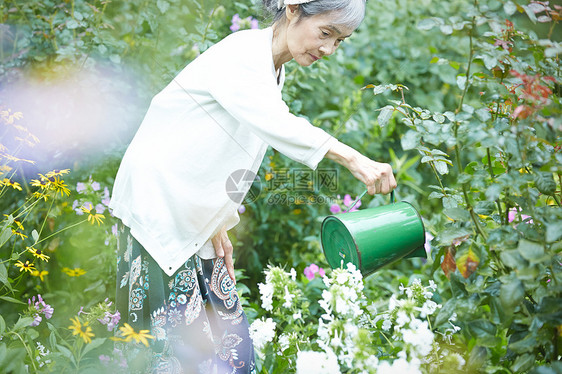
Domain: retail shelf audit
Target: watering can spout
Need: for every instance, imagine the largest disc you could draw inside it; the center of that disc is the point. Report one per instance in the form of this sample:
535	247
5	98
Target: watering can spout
418	252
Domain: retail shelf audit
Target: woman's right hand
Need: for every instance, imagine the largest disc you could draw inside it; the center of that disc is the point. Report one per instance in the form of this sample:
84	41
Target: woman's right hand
377	177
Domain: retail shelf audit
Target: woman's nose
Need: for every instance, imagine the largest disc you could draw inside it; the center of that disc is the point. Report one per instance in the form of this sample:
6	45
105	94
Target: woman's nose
327	49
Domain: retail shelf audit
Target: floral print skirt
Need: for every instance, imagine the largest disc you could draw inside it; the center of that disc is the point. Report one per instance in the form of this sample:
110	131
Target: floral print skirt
195	315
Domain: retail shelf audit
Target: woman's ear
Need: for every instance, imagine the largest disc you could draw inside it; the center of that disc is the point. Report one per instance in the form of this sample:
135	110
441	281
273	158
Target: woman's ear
292	11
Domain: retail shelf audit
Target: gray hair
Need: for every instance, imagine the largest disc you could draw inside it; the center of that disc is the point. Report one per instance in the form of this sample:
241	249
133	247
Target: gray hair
349	13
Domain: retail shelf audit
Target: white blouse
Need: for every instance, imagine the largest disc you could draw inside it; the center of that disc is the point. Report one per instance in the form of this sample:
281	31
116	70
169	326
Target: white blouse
218	115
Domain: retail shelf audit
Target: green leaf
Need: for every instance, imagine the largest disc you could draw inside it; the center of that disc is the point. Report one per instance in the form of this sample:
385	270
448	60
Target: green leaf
513	259
531	251
553	231
545	183
410	140
4	276
163	5
72	24
5	235
22	322
12	300
35	235
2	325
523	363
457	214
428	23
511	292
384	115
93	345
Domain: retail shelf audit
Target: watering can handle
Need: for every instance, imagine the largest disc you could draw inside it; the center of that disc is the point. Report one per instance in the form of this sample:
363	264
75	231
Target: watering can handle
392	199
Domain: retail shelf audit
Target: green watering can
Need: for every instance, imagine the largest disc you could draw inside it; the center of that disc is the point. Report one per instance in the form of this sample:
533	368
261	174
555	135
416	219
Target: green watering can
372	238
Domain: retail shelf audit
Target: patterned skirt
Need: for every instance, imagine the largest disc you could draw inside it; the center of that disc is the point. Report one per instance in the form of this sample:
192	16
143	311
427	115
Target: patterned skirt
195	315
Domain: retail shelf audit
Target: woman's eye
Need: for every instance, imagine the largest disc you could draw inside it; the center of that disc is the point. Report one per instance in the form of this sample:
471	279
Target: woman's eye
324	33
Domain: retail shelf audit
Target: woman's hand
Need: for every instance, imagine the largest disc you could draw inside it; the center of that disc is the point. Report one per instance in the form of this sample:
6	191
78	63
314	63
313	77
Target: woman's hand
378	177
224	249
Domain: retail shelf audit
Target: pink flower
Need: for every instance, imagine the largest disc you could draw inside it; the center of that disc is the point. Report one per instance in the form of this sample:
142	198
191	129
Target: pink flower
308	273
335	208
348	201
512	215
311	270
80	187
96	186
235	23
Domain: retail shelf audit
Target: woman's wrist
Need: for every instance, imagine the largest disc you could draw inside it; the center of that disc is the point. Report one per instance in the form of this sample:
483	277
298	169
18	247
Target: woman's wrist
342	154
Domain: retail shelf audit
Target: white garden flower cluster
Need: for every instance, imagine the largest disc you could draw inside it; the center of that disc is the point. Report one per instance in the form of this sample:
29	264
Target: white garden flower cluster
348	333
280	283
261	332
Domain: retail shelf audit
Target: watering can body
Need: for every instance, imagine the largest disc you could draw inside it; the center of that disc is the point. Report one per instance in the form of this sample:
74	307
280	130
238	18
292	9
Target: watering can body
374	237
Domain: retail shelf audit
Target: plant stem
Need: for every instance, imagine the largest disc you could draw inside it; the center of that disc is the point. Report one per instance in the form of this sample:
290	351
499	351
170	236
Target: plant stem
30	354
61	230
493	176
471	53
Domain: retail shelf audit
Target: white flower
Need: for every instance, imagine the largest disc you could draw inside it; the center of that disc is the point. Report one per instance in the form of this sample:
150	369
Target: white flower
293	274
288	298
392	303
432	285
284	342
400	365
420	336
266	291
309	362
428	308
262	332
386	324
402	318
297	315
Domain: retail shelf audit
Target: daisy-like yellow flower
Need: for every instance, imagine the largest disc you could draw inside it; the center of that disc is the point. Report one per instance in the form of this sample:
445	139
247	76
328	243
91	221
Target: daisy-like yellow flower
20	234
7	182
93	216
57	173
40	274
83	330
76	272
25	267
130	334
38	253
52	183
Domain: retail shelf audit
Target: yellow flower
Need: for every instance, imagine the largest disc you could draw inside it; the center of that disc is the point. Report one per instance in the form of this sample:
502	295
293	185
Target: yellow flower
297	211
129	333
52	183
76	272
37	253
40	274
57	173
14	185
20	234
27	266
268	176
92	215
85	333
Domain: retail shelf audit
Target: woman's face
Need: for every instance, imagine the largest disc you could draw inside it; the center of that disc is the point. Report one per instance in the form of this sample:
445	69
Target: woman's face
313	37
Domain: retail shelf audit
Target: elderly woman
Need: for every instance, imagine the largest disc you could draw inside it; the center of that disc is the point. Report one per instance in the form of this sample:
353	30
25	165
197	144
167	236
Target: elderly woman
216	117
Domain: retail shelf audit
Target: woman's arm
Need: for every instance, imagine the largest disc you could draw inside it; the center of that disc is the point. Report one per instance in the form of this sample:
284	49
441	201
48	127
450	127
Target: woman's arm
378	177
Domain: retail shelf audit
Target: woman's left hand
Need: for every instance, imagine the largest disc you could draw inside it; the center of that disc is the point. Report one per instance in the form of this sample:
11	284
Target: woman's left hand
224	249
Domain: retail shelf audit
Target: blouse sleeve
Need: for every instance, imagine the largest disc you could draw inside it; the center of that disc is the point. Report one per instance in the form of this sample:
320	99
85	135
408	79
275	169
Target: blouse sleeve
255	100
